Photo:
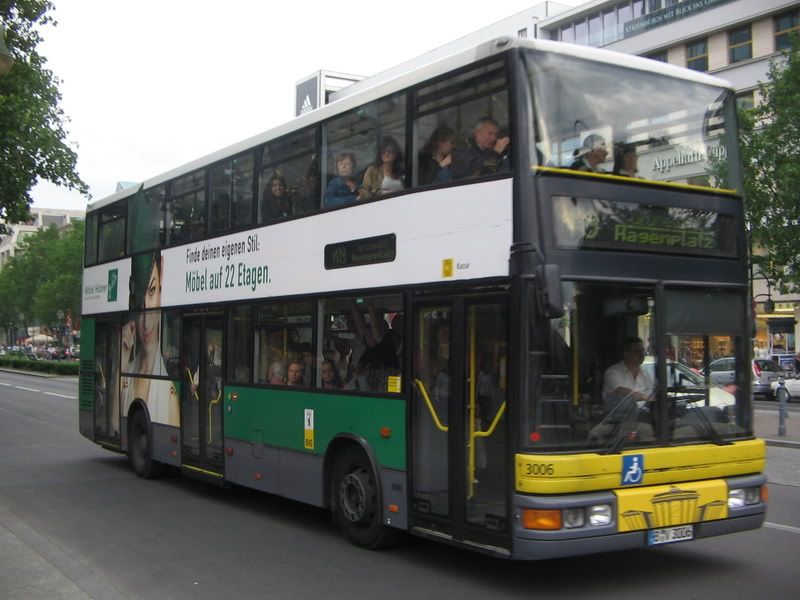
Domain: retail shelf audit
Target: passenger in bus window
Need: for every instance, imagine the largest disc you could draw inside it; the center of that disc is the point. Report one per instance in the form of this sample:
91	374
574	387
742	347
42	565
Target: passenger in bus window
295	373
625	160
329	376
306	355
437	156
485	152
591	154
380	341
385	175
342	189
276	203
276	373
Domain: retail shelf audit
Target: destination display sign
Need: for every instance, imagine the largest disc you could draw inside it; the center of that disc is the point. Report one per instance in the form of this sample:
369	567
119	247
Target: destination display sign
365	251
591	223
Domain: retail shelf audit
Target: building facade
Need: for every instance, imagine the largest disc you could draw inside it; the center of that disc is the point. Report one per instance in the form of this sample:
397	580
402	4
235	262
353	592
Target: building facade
40	218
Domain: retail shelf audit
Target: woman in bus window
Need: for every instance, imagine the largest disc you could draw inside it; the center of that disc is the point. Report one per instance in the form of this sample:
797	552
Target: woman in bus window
342	188
436	156
385	175
329	375
276	203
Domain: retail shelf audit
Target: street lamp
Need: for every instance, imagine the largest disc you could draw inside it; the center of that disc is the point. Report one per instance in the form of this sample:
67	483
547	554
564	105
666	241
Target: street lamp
6	58
769	303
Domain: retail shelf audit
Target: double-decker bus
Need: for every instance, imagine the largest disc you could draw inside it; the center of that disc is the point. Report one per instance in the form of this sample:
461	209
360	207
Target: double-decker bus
436	353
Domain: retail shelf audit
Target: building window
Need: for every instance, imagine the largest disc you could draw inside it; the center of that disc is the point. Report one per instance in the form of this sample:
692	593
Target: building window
697	55
595	30
740	43
567	35
654	5
745	100
785	25
523	33
582	33
660	56
609	26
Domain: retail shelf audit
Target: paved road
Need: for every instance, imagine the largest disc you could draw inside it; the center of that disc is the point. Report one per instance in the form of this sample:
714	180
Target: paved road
76	524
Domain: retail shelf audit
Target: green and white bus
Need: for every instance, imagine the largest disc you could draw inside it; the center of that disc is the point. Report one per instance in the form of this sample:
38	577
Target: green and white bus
431	354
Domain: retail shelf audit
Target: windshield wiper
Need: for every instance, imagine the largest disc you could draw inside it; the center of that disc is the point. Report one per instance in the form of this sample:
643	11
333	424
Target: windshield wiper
623	416
703	425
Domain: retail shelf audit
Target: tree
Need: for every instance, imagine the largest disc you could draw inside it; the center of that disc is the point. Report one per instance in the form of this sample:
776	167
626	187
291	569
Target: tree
33	142
770	139
43	278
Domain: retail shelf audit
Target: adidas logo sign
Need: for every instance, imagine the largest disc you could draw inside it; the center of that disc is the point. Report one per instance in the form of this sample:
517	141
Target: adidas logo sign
306	106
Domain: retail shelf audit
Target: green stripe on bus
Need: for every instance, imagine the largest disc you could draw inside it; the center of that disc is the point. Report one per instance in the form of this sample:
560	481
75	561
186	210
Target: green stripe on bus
277	417
86	373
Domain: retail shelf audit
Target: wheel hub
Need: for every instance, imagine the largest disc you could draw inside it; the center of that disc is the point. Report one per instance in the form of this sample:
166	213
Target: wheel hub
353	497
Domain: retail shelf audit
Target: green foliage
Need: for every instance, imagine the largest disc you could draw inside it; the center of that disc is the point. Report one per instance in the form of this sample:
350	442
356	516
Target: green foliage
57	367
43	278
770	139
33	142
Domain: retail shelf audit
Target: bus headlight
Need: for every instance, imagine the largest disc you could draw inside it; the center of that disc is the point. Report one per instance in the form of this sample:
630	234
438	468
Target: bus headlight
574	517
599	515
739	497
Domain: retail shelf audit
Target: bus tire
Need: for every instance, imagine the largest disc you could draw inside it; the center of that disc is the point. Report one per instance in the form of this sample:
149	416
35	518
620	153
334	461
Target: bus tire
140	448
356	502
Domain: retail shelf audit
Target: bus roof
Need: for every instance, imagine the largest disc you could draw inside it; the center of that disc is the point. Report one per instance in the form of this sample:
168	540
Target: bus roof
406	75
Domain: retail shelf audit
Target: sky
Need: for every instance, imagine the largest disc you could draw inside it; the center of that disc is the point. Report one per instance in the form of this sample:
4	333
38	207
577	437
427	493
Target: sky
149	85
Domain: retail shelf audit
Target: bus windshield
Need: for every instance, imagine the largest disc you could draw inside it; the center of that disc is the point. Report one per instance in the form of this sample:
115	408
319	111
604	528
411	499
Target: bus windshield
606	379
600	117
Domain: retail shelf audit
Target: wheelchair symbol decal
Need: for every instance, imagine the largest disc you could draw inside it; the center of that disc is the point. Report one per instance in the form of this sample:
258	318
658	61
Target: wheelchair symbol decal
632	469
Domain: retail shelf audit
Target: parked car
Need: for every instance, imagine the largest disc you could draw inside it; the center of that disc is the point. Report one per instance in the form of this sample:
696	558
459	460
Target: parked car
792	386
765	373
681	376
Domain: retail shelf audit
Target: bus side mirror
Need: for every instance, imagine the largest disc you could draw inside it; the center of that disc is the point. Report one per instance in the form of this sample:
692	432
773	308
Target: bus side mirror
549	299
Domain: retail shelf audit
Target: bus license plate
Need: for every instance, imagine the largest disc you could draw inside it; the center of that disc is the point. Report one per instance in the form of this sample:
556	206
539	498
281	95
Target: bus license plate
669	535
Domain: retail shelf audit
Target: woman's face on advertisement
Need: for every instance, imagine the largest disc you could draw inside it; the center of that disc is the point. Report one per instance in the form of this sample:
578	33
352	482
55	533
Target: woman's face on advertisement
151	320
152	295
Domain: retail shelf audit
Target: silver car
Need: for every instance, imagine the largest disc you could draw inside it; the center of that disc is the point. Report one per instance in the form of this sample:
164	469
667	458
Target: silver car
765	372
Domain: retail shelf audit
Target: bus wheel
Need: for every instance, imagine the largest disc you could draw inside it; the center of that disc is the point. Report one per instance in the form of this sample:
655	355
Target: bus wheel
355	502
140	448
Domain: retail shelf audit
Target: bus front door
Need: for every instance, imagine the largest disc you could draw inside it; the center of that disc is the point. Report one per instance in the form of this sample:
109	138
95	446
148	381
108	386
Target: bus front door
201	394
459	452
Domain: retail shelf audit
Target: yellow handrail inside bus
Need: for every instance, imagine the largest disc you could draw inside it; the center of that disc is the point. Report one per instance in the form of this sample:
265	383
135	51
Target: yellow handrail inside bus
210	406
430	406
472	408
668	184
191	383
500	412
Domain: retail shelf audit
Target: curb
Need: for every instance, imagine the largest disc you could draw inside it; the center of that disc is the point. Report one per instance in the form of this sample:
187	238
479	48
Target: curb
782	443
34	373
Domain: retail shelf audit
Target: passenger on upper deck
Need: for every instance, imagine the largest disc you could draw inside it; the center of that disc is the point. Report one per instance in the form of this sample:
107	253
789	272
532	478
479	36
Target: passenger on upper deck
276	203
386	173
437	156
484	154
342	188
591	154
625	160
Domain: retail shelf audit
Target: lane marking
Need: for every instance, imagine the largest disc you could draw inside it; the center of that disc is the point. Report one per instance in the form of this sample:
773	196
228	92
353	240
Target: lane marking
60	395
19	387
788	528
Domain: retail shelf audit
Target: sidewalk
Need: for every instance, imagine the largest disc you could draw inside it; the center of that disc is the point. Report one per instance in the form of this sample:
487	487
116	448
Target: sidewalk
767	424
